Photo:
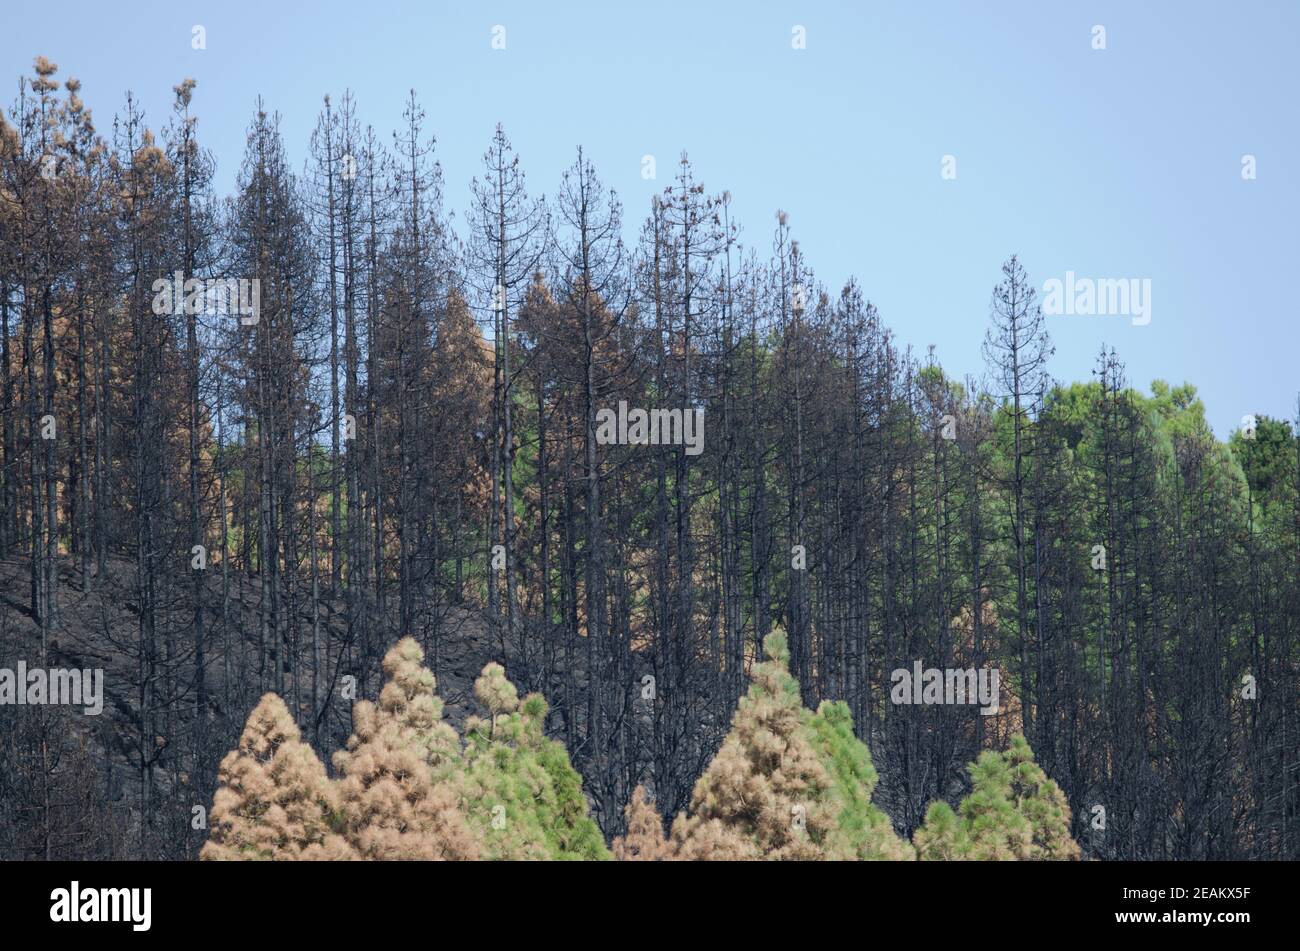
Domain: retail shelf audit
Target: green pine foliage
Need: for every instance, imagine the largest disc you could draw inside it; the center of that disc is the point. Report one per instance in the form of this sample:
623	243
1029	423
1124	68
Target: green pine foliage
1042	803
942	837
519	790
1013	812
994	829
867	831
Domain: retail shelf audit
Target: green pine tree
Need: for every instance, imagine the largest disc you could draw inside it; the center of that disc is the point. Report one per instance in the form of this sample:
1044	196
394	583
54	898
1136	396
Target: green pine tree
1042	803
521	794
866	829
942	837
1013	812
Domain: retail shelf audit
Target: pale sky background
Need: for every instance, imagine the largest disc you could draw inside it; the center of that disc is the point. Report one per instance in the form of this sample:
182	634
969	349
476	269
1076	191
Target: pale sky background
1122	163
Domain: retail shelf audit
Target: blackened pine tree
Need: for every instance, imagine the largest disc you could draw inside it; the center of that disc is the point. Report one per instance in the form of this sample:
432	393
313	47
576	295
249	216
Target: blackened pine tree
508	239
1017	348
193	169
595	302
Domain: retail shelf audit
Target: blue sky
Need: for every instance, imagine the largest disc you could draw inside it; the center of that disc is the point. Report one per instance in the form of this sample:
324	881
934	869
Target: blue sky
1115	163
